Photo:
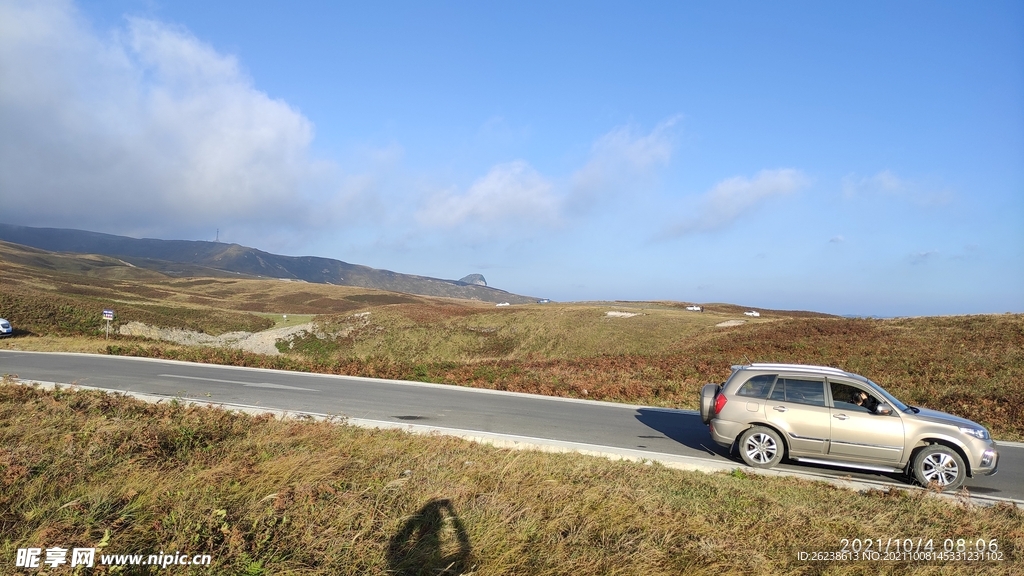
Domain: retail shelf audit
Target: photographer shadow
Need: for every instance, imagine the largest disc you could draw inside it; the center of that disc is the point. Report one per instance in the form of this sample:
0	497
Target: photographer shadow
433	541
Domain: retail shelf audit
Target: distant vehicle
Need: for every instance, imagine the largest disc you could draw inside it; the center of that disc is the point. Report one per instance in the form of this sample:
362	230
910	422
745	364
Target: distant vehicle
695	308
543	301
753	313
5	328
827	416
503	304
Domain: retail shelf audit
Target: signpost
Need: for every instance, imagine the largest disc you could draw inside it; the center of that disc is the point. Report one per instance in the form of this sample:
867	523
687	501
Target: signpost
108	315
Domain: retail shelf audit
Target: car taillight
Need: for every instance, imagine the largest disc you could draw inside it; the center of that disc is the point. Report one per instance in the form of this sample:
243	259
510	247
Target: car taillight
720	401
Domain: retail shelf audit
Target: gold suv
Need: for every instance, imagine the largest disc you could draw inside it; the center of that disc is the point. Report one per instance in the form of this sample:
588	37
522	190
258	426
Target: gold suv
822	415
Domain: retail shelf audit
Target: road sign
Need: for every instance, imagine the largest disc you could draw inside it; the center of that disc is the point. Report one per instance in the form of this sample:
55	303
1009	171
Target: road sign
108	315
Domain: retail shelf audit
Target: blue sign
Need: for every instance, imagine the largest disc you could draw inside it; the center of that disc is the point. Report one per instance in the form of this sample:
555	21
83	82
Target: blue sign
108	314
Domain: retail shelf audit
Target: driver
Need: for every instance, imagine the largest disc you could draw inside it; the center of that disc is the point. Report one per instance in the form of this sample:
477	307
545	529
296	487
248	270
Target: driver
861	398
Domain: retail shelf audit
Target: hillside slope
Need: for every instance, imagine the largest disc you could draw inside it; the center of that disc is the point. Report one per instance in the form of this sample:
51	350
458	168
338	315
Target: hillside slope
168	256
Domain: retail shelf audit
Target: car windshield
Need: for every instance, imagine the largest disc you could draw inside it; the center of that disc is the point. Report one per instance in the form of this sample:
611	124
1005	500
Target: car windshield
888	397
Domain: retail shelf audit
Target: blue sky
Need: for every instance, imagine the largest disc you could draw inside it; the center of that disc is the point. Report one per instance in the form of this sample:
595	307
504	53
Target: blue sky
854	159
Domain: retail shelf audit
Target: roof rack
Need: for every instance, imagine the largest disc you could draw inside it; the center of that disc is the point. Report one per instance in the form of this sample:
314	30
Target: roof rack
772	366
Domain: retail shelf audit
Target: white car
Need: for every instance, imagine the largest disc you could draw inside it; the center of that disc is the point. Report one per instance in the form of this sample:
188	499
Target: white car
753	313
5	328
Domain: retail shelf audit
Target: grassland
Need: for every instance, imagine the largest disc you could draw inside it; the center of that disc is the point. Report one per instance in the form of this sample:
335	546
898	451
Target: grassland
264	496
972	366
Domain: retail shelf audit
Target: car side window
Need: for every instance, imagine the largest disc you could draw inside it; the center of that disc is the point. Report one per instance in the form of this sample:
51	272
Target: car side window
757	387
799	391
852	398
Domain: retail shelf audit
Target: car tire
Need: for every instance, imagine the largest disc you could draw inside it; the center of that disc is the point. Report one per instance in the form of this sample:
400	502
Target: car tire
707	401
939	466
761	447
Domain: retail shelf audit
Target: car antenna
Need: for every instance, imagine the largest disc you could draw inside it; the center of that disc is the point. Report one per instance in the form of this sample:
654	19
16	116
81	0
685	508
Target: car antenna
747	359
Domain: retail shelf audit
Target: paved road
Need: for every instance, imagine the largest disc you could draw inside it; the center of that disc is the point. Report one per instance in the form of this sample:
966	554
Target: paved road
616	426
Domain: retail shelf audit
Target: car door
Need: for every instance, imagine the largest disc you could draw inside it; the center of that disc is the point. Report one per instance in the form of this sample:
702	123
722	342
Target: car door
797	407
858	433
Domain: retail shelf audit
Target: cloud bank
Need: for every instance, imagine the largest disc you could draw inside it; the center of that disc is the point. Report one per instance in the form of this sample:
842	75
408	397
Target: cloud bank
146	129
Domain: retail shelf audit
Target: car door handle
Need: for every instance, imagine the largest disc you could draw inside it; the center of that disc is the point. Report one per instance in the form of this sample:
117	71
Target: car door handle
841	416
780	408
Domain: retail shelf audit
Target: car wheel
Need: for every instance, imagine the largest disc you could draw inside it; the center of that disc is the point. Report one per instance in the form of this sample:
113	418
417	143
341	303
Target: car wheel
761	447
939	466
707	401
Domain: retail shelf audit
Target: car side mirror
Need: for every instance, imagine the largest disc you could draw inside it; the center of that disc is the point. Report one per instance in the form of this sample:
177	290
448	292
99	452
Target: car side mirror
883	409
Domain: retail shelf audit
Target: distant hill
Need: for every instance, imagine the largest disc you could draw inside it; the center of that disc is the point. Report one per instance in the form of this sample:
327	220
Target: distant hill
191	257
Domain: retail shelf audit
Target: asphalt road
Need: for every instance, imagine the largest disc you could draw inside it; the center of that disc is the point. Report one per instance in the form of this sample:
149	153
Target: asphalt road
616	426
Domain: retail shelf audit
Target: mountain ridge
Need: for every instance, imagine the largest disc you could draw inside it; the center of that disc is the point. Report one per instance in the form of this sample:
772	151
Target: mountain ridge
151	252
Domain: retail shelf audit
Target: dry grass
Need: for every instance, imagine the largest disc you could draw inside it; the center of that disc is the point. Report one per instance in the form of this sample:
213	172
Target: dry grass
272	497
972	366
287	320
84	344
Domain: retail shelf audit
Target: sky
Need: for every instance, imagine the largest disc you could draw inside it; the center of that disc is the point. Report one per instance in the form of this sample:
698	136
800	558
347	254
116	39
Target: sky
852	158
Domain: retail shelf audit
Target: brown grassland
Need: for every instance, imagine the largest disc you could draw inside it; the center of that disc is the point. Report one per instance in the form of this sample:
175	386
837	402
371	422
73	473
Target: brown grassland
972	366
264	496
269	497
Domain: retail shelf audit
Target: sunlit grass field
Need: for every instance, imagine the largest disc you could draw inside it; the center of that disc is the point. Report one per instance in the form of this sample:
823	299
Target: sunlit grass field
972	366
263	496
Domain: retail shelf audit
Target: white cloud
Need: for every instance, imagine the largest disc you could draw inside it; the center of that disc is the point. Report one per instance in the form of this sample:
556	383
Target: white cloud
731	198
837	239
513	197
147	128
621	159
888	183
509	194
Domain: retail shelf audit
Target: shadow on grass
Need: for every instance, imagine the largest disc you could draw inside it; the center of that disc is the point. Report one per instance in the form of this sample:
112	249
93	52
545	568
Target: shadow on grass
433	541
683	427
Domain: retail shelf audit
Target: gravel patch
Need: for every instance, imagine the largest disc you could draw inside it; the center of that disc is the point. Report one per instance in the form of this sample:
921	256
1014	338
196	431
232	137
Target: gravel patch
264	342
728	323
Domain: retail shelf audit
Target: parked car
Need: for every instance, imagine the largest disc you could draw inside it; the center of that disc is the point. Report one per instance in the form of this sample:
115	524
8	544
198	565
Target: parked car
822	415
5	328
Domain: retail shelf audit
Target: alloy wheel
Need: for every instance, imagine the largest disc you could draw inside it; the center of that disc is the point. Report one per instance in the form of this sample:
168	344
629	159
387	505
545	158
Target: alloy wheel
761	448
940	468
